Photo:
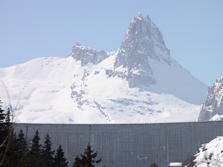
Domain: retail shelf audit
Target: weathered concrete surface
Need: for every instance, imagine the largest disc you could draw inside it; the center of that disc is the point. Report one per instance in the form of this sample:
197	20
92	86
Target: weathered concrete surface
129	145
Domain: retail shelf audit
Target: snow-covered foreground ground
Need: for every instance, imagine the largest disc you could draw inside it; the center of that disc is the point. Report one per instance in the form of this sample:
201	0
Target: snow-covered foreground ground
211	154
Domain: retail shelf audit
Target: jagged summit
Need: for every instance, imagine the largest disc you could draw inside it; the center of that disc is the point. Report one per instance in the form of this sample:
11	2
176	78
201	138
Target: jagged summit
138	16
143	41
87	55
146	38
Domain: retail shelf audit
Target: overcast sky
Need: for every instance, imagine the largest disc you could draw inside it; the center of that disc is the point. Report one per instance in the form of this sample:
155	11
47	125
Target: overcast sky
192	30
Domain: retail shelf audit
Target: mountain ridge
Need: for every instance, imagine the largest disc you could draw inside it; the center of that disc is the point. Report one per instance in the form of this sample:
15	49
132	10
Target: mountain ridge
138	83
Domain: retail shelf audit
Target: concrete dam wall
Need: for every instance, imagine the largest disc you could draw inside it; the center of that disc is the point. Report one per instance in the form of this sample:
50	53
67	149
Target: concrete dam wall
128	145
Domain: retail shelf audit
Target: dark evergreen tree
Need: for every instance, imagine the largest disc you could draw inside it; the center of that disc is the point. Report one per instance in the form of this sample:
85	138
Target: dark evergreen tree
47	155
2	118
154	165
12	156
88	158
77	162
18	154
23	150
59	159
36	150
2	125
8	119
36	146
22	143
2	115
3	133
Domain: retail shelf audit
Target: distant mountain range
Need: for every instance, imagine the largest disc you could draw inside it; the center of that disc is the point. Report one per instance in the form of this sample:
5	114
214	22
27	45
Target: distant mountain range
138	83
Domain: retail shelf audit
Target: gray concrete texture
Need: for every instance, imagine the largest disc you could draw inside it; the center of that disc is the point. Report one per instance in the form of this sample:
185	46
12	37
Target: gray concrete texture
128	145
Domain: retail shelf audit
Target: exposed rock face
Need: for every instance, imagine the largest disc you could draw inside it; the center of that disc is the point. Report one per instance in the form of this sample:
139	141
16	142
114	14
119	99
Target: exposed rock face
213	104
87	55
143	41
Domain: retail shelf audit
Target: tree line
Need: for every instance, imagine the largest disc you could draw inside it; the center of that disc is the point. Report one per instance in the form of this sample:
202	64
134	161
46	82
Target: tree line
17	151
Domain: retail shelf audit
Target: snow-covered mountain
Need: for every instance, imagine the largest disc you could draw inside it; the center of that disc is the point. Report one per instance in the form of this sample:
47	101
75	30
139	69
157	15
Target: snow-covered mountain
212	108
138	83
210	154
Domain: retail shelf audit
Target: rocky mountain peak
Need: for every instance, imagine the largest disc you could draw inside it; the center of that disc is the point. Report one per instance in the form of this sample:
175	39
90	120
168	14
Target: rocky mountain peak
87	55
212	108
138	16
143	41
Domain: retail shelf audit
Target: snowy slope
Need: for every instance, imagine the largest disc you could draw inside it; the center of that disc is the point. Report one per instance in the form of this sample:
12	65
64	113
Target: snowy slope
138	83
60	90
210	154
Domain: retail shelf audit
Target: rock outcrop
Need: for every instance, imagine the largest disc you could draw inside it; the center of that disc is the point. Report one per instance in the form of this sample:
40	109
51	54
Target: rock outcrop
213	105
87	55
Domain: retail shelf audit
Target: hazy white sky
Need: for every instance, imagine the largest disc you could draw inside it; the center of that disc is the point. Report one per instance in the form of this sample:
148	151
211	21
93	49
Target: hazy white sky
192	30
